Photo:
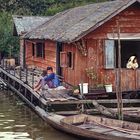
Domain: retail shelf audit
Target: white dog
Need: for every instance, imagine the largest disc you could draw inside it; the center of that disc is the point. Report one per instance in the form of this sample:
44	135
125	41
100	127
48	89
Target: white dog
132	63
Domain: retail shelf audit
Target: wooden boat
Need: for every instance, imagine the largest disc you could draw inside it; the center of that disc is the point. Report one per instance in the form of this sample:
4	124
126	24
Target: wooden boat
129	114
133	114
93	127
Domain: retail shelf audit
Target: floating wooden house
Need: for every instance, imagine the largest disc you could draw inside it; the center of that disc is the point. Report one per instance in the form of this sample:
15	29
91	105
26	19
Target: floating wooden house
82	42
22	25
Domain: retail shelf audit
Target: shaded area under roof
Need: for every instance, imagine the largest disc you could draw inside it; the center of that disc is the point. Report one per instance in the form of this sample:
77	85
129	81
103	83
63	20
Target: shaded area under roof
71	25
24	24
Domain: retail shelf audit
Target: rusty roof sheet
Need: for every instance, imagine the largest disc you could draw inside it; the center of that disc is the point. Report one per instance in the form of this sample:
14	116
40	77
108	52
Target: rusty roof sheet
73	24
24	24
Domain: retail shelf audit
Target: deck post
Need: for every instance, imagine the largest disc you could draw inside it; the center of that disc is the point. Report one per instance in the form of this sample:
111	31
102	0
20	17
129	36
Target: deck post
25	93
14	71
19	87
31	98
14	83
20	73
82	107
119	96
26	75
33	78
3	63
6	66
9	67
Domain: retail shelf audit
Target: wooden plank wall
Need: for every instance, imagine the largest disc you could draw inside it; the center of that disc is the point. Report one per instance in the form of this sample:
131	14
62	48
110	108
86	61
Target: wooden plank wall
41	63
21	52
77	74
129	21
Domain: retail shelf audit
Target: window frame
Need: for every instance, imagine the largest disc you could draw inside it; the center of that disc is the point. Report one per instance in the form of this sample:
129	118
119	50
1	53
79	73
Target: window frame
33	49
63	59
70	61
67	60
109	63
40	54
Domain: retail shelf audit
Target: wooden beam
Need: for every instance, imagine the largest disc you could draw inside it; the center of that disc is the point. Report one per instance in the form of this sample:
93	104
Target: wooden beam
106	101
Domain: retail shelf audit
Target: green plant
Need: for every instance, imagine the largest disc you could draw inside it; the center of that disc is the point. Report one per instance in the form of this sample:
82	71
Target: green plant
100	86
107	79
91	73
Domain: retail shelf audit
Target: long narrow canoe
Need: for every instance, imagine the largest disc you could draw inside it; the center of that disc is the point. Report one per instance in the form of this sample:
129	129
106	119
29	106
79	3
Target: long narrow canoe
93	127
101	128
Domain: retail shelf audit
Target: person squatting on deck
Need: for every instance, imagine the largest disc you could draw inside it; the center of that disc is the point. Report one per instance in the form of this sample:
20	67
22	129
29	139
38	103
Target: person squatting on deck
132	63
48	80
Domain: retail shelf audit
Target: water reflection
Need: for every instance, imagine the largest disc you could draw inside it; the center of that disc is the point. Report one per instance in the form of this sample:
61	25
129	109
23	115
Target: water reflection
18	122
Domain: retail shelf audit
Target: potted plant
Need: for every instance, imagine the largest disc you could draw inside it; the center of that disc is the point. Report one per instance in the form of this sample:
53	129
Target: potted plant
108	85
92	75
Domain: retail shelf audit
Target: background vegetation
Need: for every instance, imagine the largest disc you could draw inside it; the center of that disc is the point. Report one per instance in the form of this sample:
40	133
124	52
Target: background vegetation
8	8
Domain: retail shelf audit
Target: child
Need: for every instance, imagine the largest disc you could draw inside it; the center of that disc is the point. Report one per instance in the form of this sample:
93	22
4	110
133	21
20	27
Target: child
50	80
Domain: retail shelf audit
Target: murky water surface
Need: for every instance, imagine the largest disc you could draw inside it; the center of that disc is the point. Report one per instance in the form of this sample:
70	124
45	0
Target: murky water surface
19	122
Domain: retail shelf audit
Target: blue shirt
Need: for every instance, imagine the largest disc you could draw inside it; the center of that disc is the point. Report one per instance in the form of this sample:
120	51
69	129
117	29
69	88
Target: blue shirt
54	78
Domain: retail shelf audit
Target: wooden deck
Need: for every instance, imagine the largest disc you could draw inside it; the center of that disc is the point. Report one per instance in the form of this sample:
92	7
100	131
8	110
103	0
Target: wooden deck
22	82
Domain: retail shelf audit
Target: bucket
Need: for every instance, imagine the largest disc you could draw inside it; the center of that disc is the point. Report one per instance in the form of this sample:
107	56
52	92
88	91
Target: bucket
108	88
85	88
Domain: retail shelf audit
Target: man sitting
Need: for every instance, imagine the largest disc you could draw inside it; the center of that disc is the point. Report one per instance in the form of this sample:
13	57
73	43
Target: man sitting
50	80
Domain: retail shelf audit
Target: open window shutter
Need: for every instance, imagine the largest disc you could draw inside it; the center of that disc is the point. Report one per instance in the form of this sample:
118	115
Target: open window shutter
43	50
109	54
70	59
33	49
63	59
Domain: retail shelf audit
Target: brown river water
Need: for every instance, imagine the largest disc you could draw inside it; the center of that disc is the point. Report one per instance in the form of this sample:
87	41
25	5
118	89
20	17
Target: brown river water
19	122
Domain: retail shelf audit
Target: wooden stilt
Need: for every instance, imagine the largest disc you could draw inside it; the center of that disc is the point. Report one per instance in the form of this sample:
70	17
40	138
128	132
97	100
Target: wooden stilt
26	75
33	78
20	73
14	71
120	103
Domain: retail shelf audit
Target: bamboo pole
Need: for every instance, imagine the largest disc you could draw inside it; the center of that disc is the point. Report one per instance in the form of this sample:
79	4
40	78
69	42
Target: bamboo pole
120	103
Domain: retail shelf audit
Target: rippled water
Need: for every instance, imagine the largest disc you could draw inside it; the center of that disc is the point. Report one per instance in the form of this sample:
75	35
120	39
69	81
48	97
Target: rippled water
19	122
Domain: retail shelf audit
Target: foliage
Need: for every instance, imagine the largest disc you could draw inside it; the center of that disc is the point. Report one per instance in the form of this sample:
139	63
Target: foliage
91	74
107	79
28	7
8	42
40	7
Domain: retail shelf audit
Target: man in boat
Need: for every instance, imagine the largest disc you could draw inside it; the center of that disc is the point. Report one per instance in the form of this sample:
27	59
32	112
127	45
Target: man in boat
132	63
49	80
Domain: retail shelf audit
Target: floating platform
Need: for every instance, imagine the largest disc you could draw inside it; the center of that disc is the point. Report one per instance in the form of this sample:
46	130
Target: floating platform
22	85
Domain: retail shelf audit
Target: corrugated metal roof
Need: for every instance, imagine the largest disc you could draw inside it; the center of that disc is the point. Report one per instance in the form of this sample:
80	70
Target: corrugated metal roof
75	23
24	24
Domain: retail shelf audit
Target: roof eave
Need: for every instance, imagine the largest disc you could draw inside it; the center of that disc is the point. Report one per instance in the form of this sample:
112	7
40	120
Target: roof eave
103	21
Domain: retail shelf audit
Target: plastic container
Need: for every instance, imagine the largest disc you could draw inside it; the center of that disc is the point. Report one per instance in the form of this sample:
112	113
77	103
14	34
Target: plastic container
85	88
108	88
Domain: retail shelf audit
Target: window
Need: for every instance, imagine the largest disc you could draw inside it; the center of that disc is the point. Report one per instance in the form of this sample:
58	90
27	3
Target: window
128	49
67	59
63	59
70	59
40	50
109	54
